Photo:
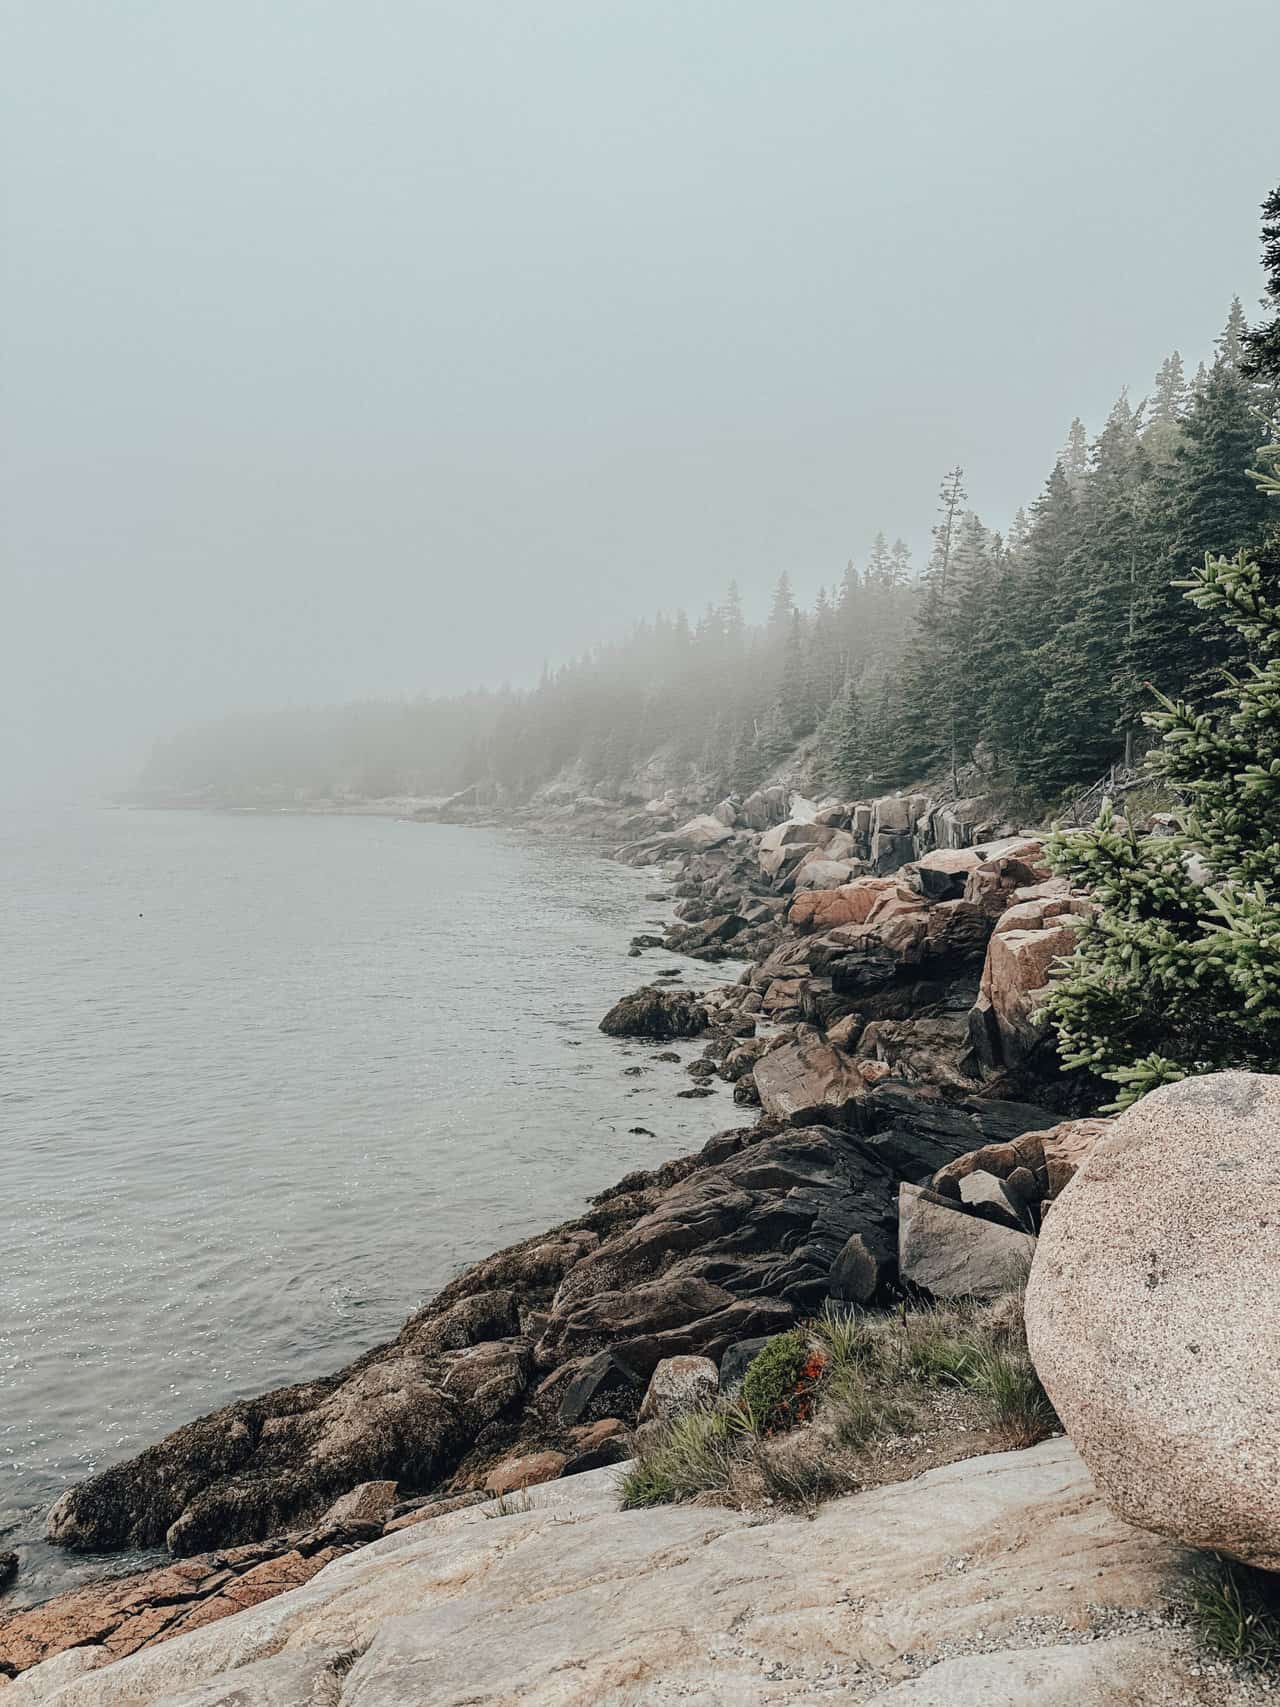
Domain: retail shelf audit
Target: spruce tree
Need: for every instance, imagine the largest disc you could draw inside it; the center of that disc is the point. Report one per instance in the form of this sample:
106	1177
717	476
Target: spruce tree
1230	344
1179	973
1213	505
1262	344
842	742
1169	397
880	563
1077	727
1074	460
782	609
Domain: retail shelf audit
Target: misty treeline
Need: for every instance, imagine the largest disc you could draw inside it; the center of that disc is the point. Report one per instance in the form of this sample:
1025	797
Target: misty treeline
1028	656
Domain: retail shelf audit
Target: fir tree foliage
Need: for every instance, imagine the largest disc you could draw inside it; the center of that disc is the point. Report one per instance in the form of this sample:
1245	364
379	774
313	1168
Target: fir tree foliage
1179	972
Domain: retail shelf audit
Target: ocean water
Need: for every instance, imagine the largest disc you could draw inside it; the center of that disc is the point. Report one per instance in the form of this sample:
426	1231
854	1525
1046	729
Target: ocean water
266	1083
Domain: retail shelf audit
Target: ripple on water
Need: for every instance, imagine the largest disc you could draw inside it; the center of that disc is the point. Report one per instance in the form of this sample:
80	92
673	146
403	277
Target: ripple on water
250	1131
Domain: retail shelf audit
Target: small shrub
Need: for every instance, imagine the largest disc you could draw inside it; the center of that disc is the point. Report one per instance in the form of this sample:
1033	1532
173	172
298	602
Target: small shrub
1235	1612
692	1455
779	1385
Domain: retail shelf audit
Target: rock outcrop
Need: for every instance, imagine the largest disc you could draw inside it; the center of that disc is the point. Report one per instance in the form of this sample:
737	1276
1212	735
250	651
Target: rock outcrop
1153	1313
654	1012
950	1254
807	1080
1034	1168
998	1579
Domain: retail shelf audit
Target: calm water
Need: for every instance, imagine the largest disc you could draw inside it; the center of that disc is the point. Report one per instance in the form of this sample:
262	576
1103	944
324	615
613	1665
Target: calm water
265	1084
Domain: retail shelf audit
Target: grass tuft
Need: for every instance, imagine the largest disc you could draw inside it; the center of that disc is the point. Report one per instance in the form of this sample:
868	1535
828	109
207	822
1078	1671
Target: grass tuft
508	1505
799	1473
1234	1612
692	1455
860	1411
847	1339
1017	1406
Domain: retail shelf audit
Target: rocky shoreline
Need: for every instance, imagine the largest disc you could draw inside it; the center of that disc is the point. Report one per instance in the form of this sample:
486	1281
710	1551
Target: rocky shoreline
908	1129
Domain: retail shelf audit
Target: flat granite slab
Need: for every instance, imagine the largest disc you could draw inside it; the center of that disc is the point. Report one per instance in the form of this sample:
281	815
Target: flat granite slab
998	1580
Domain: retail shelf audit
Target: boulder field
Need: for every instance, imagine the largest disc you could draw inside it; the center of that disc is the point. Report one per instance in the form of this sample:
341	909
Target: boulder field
998	1579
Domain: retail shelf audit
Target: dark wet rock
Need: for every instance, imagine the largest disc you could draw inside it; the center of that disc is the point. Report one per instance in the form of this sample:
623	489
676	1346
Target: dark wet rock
8	1569
768	1222
649	1012
916	1129
582	1386
597	1458
738	1359
950	1254
714	933
865	1265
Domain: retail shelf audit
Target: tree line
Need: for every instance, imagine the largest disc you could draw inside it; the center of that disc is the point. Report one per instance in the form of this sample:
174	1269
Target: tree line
1027	657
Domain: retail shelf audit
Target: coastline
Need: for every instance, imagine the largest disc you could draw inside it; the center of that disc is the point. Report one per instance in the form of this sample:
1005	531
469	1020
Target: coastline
600	1104
523	1354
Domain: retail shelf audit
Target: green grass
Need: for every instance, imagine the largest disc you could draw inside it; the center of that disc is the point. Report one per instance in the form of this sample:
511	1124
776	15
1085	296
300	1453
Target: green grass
852	1380
847	1338
1234	1612
691	1455
860	1411
1017	1407
797	1473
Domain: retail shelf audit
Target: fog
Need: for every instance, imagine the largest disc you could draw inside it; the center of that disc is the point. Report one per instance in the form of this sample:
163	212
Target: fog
377	349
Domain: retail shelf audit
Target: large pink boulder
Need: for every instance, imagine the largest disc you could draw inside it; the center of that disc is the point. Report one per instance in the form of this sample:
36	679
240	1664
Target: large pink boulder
807	1080
850	904
1005	1023
1153	1313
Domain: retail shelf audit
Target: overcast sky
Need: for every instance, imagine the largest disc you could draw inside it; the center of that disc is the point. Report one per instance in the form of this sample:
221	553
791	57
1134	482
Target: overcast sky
362	347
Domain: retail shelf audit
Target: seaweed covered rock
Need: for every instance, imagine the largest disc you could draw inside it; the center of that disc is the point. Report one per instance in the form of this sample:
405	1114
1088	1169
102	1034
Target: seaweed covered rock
653	1012
257	1466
